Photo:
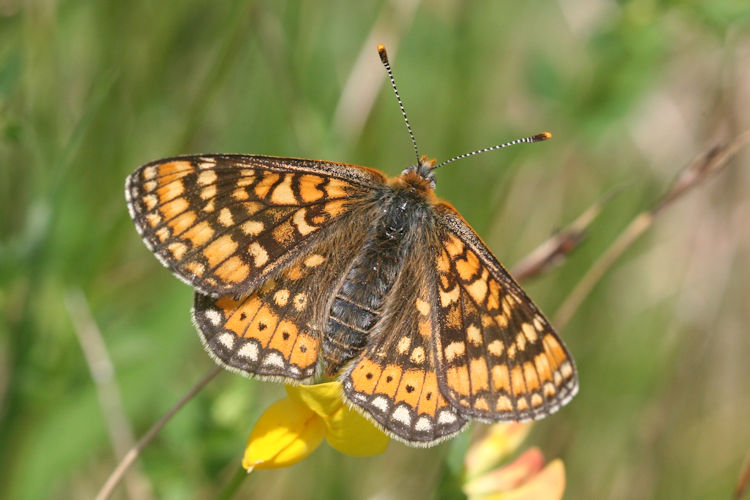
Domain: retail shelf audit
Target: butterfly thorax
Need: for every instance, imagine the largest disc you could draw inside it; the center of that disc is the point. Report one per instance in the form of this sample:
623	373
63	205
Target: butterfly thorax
361	299
420	176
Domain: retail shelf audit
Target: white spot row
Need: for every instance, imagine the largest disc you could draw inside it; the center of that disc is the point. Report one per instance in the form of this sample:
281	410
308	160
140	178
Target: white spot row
213	316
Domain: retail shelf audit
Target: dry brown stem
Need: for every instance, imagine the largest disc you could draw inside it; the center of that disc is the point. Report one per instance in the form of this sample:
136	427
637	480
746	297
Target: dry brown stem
103	373
696	173
135	451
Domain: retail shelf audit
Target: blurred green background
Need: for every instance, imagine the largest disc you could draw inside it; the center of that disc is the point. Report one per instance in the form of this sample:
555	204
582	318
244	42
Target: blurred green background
631	90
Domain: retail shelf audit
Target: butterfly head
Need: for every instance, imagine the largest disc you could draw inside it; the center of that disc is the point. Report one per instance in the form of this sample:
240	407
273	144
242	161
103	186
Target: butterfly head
421	175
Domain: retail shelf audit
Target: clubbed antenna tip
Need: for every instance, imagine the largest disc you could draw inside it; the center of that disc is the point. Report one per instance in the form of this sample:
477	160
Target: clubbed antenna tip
383	54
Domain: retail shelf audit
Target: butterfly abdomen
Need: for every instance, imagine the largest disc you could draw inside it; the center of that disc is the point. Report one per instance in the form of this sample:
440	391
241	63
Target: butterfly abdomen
358	304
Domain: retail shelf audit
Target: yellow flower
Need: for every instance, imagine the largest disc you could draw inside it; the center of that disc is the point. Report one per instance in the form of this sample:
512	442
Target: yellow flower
525	478
292	428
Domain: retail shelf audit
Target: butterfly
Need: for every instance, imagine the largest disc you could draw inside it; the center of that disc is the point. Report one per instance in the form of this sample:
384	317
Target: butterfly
305	269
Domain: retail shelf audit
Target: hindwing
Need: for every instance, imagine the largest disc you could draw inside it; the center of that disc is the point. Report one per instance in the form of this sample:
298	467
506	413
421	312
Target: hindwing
276	331
394	380
224	223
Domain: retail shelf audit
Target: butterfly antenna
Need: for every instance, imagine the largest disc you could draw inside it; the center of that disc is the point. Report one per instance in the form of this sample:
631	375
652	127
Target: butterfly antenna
534	138
384	59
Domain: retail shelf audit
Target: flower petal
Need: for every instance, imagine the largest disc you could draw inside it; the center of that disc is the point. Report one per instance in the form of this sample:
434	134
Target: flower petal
286	433
509	476
351	433
324	399
500	441
346	430
549	484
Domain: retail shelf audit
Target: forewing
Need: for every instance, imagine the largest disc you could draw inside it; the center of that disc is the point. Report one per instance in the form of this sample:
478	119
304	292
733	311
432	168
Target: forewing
224	223
276	330
394	381
498	358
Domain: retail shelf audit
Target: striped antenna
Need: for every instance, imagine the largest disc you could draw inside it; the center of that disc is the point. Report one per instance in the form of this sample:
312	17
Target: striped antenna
534	138
384	59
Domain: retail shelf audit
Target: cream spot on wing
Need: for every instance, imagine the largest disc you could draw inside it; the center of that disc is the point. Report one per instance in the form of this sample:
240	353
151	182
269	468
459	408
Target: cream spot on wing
259	254
240	194
274	359
163	234
380	403
512	351
403	345
454	350
507	305
538	323
227	340
536	400
149	172
252	207
446	417
478	289
501	320
249	351
153	219
177	250
196	268
504	404
247	177
300	301
417	355
423	424
281	297
423	307
450	296
496	347
521	341
474	334
213	316
530	331
283	194
401	414
225	217
208	192
314	260
299	221
206	177
252	227
150	201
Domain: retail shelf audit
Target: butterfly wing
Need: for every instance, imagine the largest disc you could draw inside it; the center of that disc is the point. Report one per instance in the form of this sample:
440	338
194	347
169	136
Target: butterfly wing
498	358
224	223
394	381
275	331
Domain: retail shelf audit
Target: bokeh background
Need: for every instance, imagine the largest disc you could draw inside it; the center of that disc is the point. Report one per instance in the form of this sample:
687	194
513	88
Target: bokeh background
631	90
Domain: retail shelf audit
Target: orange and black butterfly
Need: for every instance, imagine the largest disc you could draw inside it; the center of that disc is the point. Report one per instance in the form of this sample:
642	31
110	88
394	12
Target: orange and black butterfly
306	269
